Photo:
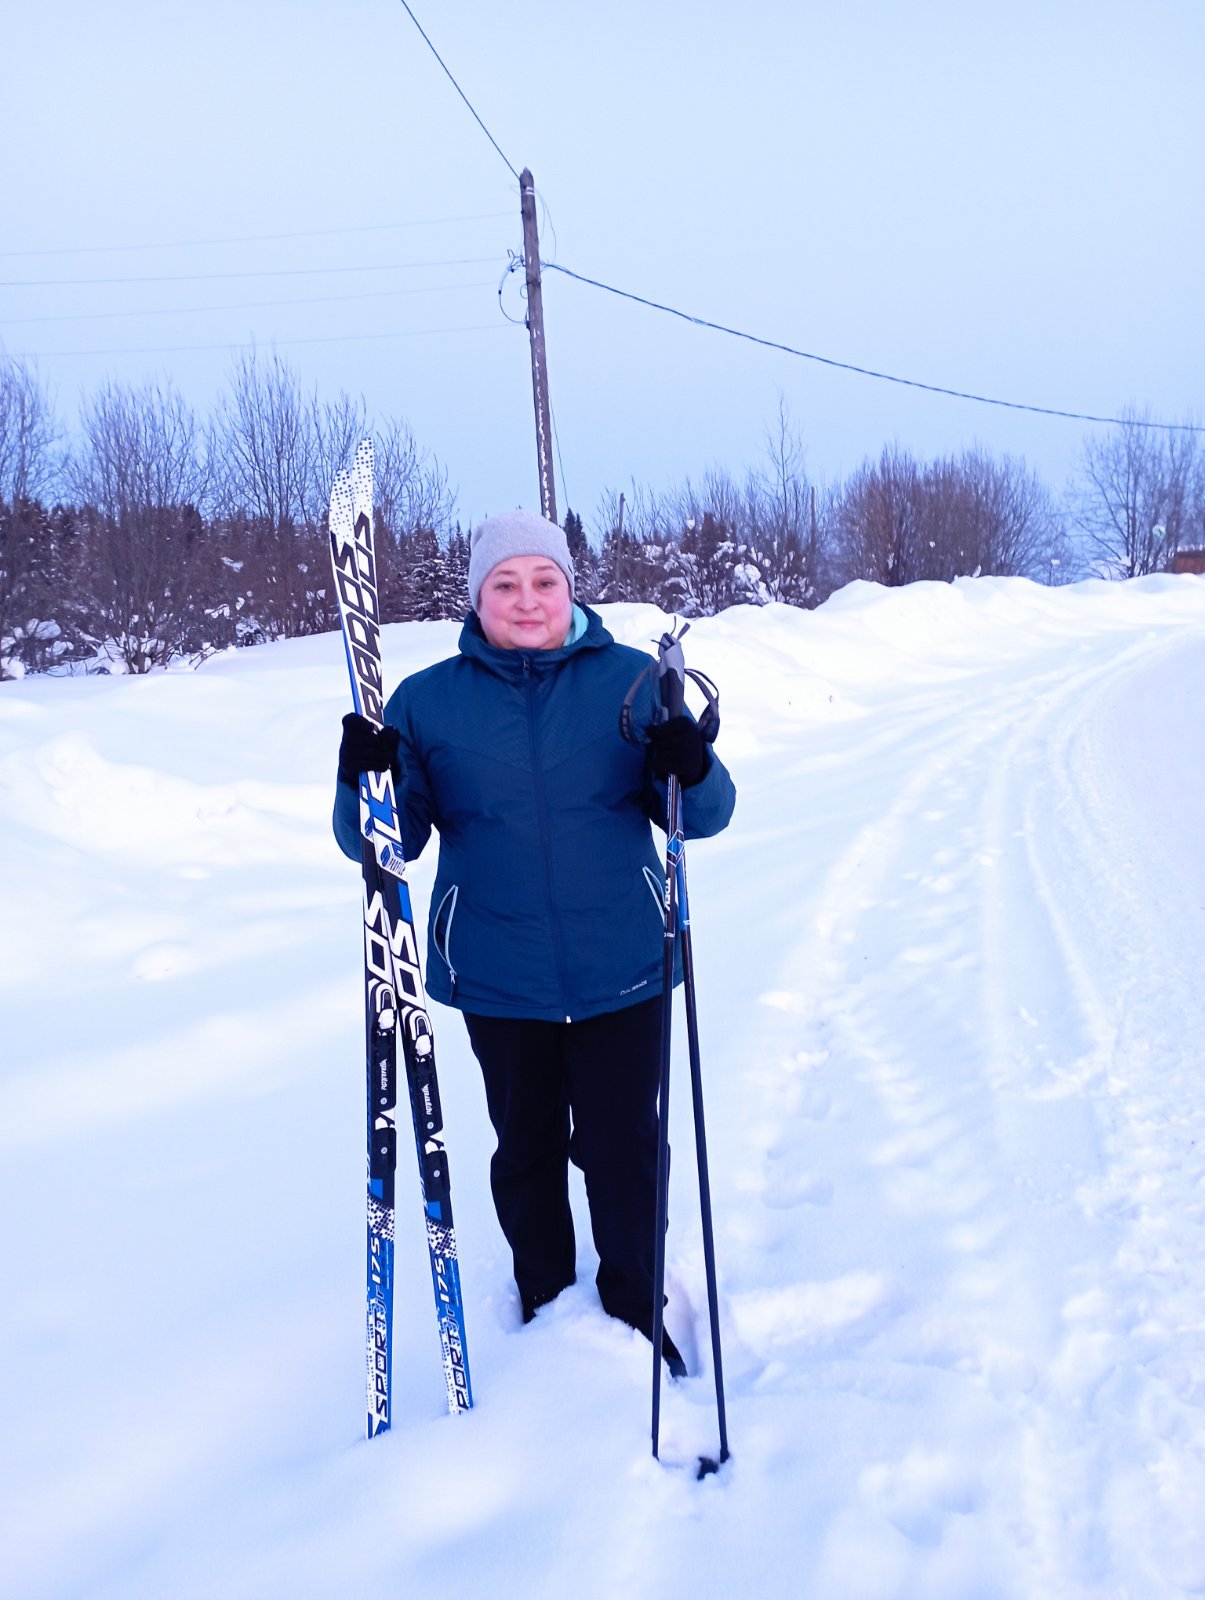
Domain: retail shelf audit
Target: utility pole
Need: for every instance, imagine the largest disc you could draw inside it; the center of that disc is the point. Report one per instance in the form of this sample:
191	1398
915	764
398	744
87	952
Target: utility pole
535	331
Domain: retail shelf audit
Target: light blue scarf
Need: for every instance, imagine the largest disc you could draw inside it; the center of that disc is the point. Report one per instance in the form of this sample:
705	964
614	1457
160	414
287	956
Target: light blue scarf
577	627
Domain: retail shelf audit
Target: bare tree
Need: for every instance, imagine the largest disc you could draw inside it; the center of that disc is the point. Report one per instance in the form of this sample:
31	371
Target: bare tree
29	434
783	527
265	438
980	515
897	521
265	441
877	522
1192	536
410	488
1140	496
30	542
141	448
145	573
338	426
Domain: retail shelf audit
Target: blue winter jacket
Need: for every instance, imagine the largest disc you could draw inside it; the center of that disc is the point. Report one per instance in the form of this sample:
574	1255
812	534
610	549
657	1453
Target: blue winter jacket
548	891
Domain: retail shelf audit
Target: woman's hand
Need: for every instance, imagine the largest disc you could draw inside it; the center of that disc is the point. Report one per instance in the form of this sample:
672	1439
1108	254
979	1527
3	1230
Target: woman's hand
677	748
367	748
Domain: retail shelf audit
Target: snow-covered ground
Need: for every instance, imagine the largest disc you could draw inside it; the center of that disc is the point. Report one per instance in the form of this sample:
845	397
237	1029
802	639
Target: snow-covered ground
953	1015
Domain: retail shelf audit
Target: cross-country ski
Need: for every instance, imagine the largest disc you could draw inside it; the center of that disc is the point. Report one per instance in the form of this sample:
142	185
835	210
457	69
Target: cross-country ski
394	1001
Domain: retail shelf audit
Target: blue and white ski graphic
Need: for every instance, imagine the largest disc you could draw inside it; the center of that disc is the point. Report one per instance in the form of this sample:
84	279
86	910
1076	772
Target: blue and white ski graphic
394	999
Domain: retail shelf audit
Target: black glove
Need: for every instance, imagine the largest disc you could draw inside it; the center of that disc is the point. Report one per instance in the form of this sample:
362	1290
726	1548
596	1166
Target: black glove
367	748
677	747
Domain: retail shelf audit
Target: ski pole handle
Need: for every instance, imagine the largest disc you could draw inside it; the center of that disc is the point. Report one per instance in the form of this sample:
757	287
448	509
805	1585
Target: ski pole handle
671	671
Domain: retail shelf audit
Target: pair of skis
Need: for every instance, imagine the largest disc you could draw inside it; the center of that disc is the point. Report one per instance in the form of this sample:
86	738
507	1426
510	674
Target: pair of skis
395	1004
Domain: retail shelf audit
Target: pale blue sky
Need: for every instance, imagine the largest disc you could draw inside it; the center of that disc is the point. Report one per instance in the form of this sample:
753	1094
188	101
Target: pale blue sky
1000	198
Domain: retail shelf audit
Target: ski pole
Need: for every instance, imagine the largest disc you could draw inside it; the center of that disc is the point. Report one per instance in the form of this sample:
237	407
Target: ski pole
673	834
671	672
696	1087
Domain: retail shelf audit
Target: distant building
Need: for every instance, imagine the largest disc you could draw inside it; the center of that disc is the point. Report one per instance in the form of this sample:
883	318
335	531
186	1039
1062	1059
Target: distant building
1188	561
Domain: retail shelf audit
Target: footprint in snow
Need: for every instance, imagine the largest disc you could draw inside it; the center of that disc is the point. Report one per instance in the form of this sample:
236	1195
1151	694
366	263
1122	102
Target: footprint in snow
920	1493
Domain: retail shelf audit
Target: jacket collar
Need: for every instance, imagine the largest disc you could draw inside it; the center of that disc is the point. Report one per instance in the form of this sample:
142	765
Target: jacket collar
517	663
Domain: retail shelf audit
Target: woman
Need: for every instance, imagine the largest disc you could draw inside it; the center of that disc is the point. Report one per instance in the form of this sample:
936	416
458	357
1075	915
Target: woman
547	921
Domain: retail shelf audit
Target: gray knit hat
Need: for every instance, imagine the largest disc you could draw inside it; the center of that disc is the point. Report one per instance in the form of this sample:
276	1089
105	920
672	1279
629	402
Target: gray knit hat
515	533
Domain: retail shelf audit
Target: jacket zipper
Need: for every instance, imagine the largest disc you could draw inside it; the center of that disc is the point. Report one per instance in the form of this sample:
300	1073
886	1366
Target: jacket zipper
537	773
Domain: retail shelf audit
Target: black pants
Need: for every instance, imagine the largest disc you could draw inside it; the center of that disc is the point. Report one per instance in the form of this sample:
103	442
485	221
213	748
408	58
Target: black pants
584	1092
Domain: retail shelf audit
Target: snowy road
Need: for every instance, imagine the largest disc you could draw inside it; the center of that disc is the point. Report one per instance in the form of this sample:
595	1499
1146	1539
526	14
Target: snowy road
950	979
985	1078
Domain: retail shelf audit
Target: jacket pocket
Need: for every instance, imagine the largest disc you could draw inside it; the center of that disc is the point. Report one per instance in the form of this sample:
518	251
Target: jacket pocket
441	930
656	887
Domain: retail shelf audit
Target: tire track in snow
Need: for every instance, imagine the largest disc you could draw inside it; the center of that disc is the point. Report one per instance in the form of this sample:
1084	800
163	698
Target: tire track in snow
1127	1379
956	1044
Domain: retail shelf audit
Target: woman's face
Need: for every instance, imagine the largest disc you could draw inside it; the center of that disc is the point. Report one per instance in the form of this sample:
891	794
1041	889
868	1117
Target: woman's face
525	604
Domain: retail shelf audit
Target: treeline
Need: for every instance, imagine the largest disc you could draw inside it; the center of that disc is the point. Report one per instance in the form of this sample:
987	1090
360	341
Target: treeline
159	536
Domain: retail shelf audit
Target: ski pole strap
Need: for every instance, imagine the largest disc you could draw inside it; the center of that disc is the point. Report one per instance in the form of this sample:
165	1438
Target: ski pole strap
671	673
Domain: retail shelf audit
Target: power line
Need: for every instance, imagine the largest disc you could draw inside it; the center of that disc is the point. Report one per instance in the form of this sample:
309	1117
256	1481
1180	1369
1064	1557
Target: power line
251	344
556	439
244	305
868	372
458	89
252	238
273	272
